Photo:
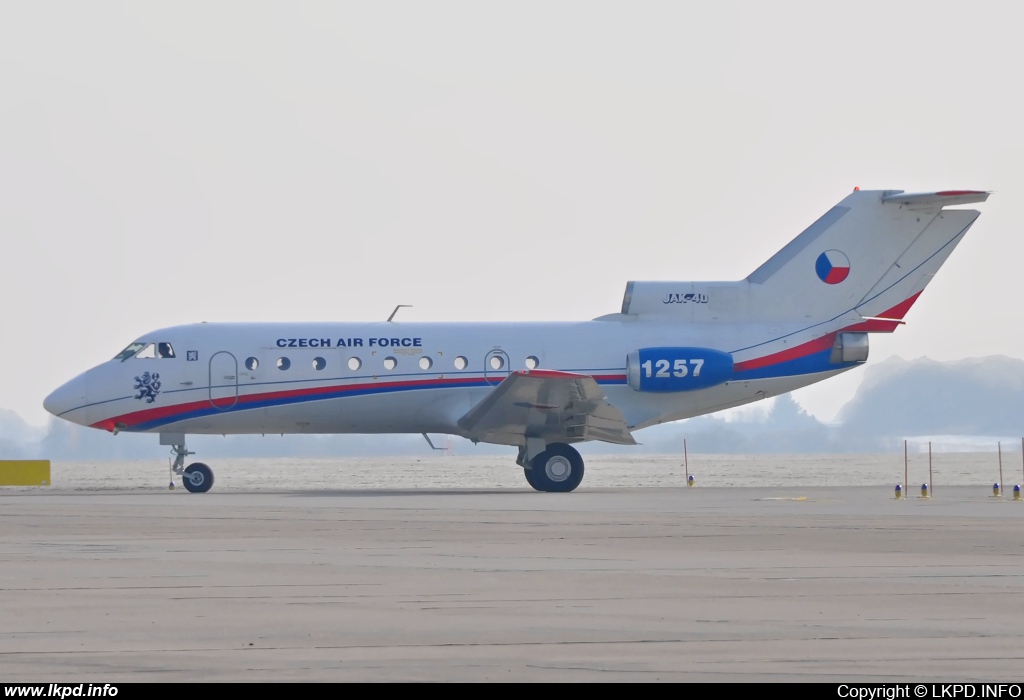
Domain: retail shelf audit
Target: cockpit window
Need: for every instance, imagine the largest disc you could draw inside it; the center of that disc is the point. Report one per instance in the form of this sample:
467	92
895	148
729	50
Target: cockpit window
129	351
146	351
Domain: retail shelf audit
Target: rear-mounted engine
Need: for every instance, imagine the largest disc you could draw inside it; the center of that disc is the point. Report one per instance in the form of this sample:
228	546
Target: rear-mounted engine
850	347
677	369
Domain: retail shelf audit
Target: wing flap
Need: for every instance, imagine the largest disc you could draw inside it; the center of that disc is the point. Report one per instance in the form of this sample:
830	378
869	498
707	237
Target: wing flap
555	406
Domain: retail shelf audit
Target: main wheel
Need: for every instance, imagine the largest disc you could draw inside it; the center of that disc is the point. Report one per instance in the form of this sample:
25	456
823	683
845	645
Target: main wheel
558	468
529	478
197	477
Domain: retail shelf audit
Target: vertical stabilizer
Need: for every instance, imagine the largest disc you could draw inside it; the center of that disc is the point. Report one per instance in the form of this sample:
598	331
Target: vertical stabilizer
871	253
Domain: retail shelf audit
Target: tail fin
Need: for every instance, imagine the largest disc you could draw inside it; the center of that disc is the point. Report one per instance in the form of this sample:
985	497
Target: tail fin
870	255
874	252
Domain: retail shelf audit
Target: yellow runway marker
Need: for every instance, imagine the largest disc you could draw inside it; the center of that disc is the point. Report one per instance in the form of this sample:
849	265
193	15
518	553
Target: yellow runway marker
25	472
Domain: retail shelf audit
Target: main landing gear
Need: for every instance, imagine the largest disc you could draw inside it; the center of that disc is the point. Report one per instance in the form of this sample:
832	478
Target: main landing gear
558	468
196	477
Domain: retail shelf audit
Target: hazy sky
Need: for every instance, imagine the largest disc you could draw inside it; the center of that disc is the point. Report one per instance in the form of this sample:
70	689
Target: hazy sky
165	163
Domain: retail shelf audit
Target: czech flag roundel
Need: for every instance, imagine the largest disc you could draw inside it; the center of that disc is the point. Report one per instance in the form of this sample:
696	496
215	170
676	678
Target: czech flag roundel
832	267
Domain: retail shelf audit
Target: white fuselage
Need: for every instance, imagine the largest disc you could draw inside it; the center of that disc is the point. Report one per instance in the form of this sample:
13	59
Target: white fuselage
373	378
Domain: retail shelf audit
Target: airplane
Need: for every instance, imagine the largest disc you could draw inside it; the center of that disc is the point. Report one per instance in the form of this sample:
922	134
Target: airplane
675	350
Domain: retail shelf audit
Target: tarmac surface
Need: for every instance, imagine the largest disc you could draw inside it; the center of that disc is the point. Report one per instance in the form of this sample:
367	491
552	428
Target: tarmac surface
625	584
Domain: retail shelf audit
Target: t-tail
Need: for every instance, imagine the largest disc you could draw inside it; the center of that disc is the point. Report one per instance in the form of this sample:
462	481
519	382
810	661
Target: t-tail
855	270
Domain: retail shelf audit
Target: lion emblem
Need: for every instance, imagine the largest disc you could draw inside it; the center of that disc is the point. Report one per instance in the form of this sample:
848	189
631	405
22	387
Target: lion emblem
148	386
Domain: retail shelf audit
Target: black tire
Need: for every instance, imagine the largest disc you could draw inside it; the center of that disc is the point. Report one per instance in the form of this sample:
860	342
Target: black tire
197	478
558	469
529	478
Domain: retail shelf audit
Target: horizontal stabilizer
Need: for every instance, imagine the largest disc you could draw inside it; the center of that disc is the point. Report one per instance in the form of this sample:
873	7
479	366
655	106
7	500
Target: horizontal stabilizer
947	198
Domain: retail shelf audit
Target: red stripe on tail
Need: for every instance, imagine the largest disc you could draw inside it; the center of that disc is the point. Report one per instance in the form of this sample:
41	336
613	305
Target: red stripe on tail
900	310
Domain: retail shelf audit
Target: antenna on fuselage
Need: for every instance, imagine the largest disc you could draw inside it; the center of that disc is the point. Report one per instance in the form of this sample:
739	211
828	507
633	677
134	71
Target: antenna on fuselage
432	444
396	310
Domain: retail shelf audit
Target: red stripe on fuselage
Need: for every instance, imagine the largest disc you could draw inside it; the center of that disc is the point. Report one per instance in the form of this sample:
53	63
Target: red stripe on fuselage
796	352
549	374
871	325
128	420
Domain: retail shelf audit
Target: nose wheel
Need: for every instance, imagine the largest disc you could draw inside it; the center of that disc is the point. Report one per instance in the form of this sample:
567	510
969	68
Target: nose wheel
196	477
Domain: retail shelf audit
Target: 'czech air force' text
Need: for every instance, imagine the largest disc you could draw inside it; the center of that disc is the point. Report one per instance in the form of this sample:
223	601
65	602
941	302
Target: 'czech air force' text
350	342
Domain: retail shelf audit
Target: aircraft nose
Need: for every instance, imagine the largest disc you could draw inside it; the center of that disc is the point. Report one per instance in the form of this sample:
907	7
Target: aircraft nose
66	397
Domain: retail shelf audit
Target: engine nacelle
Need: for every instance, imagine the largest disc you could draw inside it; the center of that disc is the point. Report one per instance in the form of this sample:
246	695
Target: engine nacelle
677	369
850	347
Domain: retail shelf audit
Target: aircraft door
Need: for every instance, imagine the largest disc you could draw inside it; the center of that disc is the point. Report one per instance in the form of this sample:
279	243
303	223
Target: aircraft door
496	366
223	380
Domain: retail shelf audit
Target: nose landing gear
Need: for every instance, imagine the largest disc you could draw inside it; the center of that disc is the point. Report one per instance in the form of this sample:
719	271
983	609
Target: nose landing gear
196	477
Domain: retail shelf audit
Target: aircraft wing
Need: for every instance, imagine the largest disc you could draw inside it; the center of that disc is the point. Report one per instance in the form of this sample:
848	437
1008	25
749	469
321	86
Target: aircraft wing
556	406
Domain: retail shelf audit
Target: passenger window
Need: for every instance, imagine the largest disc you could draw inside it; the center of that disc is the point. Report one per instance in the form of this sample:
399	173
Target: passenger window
426	362
165	350
283	363
354	363
390	363
497	362
461	362
319	363
252	363
532	362
147	353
